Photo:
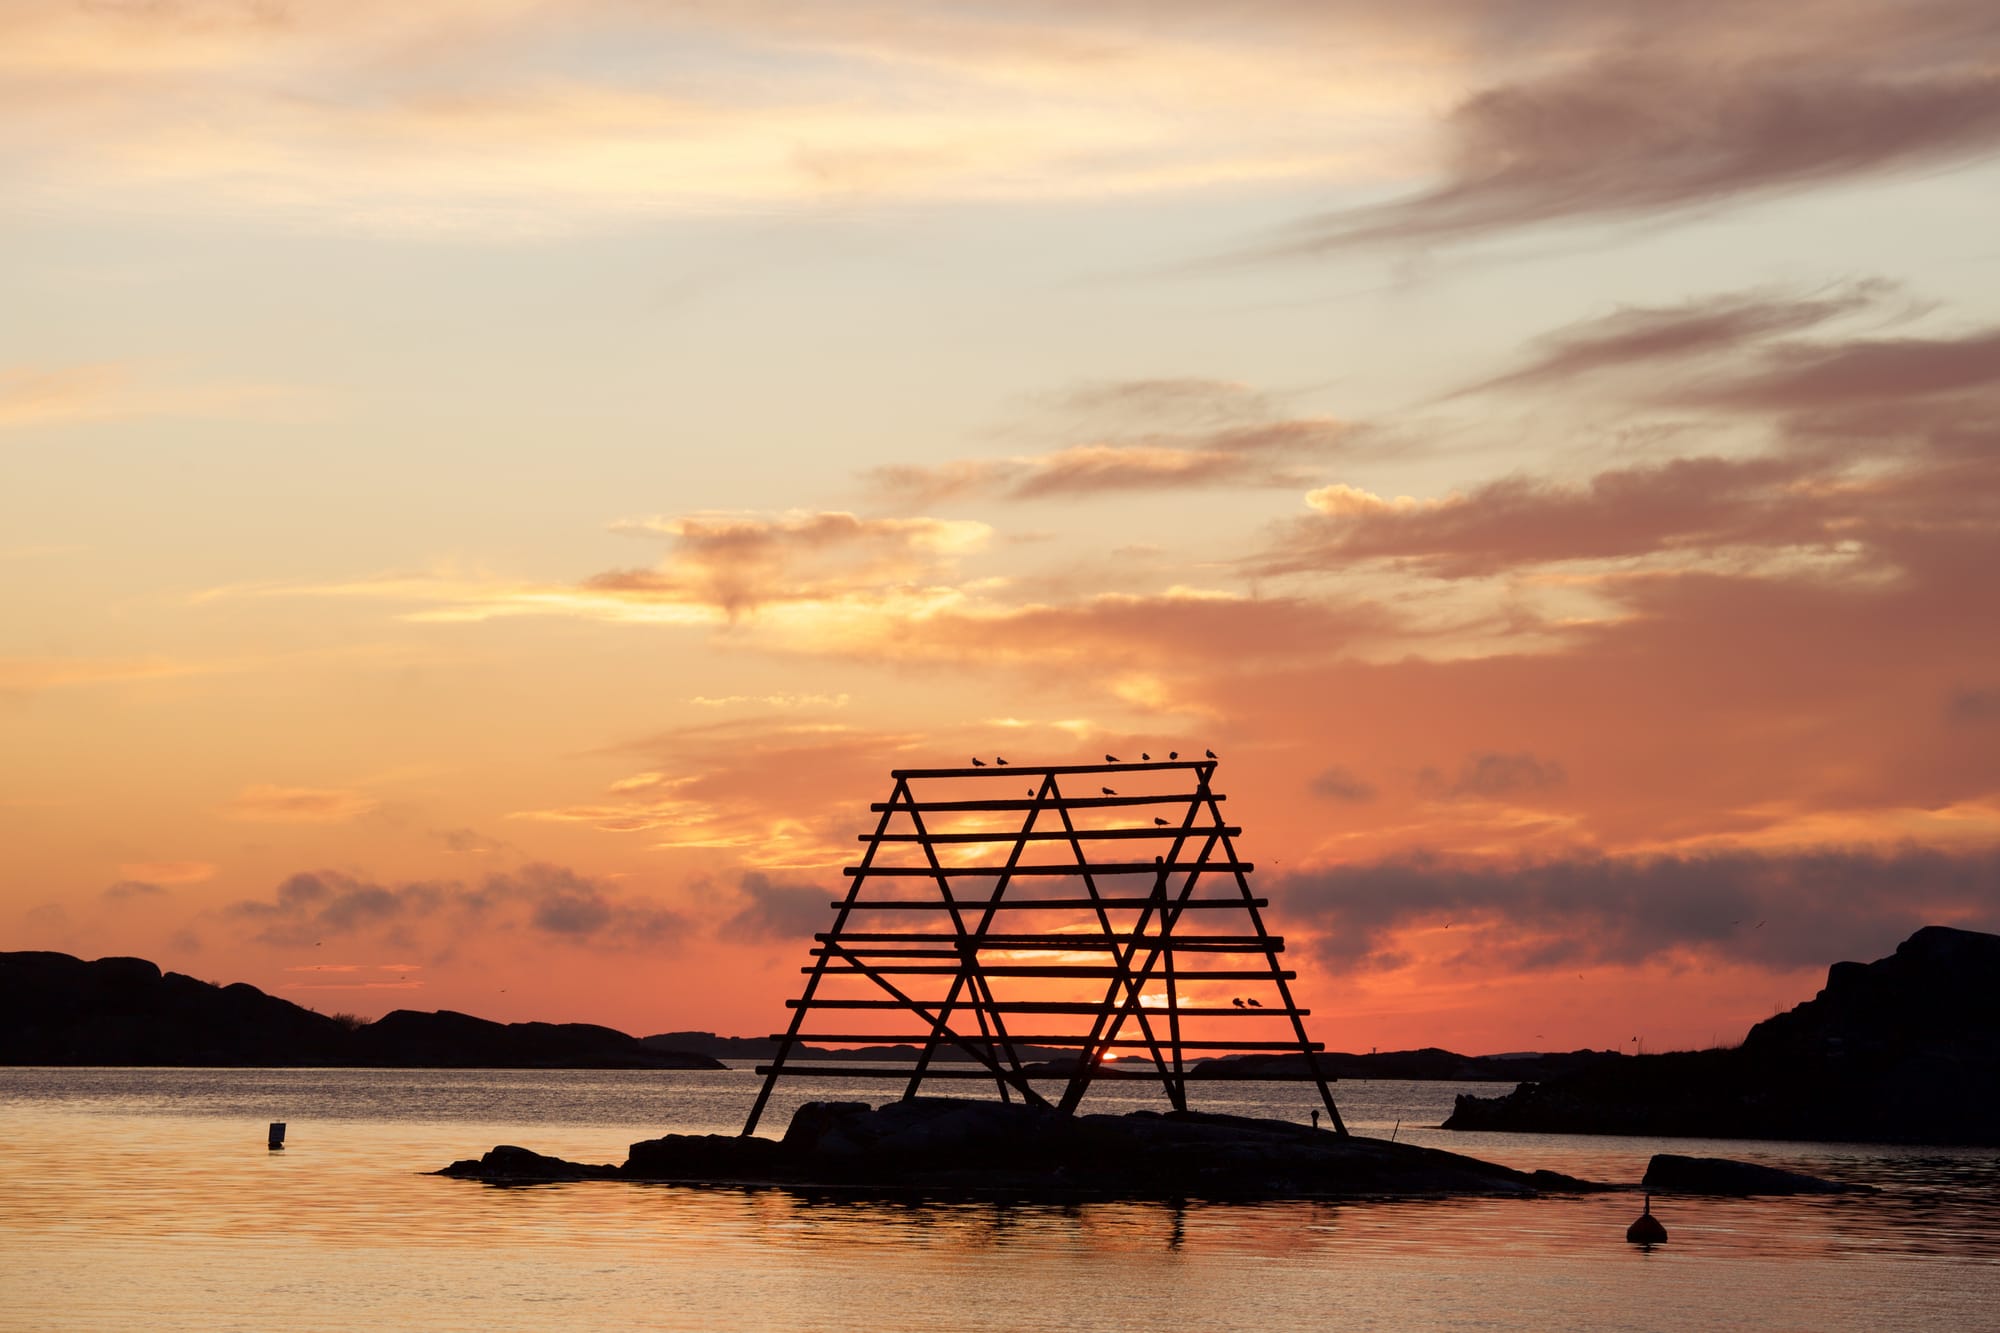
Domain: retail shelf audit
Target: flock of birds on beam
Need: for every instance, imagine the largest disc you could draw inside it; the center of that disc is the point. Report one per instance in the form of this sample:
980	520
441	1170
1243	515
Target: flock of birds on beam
1239	1001
977	762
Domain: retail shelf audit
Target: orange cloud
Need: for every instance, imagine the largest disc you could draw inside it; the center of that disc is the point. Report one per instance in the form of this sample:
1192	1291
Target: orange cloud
298	805
1141	435
168	872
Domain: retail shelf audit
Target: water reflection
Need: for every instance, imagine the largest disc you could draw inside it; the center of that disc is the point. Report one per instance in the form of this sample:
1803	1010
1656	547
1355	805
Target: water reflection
148	1196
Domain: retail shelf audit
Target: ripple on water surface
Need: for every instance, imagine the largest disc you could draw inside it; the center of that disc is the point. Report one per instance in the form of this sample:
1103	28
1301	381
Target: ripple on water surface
146	1198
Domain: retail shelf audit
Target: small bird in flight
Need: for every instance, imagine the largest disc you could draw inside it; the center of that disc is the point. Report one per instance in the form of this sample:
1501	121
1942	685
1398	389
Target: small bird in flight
978	763
1107	791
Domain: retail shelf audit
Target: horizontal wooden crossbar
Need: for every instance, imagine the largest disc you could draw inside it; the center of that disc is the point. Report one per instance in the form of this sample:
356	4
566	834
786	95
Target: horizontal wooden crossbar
1007	770
1068	1039
1038	803
1047	904
1071	943
1053	1007
1080	971
1101	870
1056	835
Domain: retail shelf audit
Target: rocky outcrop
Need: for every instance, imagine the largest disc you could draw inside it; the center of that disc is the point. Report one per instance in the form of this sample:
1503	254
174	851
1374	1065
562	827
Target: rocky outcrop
509	1165
1902	1050
952	1145
1669	1173
60	1010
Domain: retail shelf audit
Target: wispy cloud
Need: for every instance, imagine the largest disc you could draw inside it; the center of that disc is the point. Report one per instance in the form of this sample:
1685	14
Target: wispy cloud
1780	909
1670	119
168	872
1134	436
551	901
43	396
365	114
269	804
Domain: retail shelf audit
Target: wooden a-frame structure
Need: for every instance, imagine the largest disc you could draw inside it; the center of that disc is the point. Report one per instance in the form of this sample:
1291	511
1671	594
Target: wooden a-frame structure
1109	945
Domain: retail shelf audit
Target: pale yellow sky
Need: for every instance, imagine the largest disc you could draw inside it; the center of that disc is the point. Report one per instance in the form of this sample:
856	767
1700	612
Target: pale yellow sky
539	455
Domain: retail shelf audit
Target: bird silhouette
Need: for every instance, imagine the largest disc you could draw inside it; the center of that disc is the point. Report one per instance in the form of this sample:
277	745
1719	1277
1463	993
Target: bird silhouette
1173	754
1254	1004
1238	1002
1158	820
1112	759
1031	791
1107	791
1145	758
998	760
1209	753
979	763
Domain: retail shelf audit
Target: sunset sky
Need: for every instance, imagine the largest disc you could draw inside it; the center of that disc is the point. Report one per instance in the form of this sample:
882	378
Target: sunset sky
489	490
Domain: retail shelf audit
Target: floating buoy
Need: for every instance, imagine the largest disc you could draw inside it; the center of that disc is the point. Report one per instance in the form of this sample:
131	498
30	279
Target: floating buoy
277	1133
1647	1229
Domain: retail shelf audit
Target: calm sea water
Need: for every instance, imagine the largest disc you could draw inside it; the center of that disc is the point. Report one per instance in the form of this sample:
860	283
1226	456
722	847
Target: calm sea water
145	1198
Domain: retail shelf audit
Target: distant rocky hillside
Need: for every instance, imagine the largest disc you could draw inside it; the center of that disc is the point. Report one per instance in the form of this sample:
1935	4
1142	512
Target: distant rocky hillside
1902	1050
1430	1063
59	1010
763	1048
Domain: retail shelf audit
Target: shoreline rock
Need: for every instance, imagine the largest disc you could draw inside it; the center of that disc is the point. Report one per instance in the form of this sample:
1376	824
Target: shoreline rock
1905	1049
1670	1173
959	1146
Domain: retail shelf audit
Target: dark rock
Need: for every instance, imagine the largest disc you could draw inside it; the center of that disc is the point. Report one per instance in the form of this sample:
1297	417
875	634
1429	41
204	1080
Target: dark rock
1902	1050
930	1145
509	1164
59	1010
1668	1173
711	1158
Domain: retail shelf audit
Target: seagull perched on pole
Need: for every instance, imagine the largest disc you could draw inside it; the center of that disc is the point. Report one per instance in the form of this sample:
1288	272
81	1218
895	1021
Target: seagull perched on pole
1209	753
978	763
1158	820
1173	754
1112	759
998	760
1237	1001
1254	1004
1107	791
1145	758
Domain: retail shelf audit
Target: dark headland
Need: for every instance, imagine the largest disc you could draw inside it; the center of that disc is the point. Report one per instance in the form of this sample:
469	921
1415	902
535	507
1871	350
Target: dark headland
1905	1049
60	1010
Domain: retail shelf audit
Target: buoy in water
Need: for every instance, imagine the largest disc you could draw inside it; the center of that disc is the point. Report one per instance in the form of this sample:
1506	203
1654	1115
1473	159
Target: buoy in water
1647	1230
